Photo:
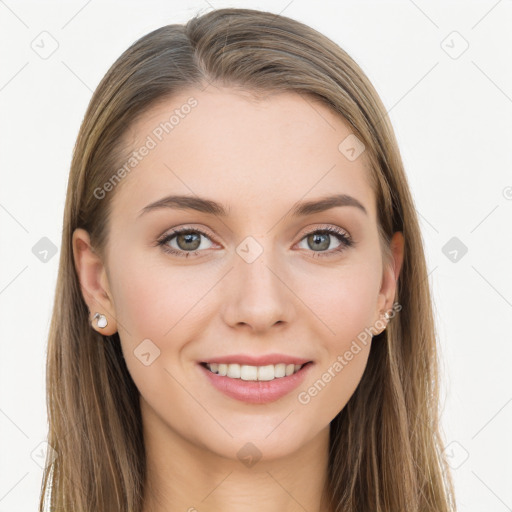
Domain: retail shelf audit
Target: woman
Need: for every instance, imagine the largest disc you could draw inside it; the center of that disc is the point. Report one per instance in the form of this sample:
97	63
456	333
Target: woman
243	317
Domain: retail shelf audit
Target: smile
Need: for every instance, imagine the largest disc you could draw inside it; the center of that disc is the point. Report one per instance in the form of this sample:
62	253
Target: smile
253	373
255	384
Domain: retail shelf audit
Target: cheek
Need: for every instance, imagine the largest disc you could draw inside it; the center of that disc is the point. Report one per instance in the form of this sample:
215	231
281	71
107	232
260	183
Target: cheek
344	305
155	310
342	301
152	296
159	308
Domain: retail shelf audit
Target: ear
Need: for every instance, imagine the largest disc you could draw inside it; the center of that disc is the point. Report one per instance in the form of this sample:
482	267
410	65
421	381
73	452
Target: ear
93	282
390	278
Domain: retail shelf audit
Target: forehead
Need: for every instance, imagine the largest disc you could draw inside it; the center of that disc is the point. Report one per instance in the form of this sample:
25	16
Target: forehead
243	150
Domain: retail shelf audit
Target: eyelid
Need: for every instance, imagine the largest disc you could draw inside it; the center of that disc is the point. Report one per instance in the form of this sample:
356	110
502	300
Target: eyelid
341	234
324	227
206	232
188	227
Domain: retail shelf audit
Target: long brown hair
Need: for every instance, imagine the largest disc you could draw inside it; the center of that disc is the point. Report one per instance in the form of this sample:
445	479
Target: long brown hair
385	445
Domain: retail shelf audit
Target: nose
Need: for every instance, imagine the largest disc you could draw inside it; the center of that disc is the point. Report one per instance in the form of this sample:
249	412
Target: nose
256	295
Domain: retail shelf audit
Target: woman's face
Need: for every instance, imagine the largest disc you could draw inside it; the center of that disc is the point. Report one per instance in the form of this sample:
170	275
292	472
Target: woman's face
258	279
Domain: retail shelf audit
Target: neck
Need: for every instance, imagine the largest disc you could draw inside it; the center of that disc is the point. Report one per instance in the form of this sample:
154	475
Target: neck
181	475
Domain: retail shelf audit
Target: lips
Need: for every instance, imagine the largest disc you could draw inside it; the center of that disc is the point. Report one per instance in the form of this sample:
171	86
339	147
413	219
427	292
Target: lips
257	392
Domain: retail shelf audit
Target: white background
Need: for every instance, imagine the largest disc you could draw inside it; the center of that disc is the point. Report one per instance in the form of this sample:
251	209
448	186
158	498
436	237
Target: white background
453	120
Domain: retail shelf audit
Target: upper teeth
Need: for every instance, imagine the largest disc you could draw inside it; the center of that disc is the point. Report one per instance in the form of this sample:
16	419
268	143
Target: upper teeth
246	372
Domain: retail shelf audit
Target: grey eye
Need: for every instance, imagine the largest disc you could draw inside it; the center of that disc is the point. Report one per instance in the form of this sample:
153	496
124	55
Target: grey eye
189	240
319	241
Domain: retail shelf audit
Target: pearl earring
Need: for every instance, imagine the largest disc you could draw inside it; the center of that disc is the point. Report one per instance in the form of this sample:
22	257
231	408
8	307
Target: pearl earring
101	320
387	317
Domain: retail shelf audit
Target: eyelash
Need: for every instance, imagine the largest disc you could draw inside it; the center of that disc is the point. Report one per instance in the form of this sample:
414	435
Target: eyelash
344	238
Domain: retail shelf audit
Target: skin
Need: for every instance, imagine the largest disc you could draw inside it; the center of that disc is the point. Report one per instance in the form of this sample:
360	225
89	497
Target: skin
258	158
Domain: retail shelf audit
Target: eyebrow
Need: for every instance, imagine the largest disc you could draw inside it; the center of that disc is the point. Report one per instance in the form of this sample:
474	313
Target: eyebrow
211	207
